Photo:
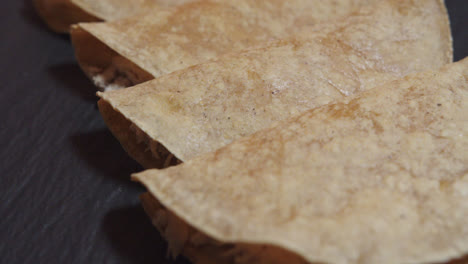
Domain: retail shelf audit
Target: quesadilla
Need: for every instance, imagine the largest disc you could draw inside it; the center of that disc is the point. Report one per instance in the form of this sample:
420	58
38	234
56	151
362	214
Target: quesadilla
380	178
161	41
61	14
202	108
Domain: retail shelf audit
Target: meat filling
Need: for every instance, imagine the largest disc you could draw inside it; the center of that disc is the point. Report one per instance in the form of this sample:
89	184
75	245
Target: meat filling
119	74
201	249
138	144
108	69
158	151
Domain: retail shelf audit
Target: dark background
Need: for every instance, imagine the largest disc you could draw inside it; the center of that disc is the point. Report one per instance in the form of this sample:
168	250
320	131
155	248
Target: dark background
65	194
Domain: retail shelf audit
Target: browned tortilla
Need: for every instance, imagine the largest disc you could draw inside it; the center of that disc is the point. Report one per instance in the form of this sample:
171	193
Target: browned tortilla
381	178
161	41
202	108
61	14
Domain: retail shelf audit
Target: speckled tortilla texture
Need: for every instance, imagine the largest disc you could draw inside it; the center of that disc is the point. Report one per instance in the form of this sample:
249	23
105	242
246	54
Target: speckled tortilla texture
381	178
61	14
162	41
202	108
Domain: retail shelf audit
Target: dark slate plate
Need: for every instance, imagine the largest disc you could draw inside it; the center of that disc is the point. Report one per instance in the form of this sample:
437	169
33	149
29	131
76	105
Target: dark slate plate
65	194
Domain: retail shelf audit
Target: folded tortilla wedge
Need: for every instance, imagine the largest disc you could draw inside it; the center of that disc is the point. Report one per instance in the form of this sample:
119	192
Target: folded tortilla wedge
381	178
202	108
136	49
61	14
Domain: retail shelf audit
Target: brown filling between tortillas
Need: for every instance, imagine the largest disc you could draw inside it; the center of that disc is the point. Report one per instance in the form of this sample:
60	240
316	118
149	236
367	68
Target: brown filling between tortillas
109	70
201	249
139	145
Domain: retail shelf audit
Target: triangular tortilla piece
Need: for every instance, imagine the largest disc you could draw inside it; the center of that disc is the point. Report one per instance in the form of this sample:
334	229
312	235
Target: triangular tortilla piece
381	178
202	108
61	14
162	41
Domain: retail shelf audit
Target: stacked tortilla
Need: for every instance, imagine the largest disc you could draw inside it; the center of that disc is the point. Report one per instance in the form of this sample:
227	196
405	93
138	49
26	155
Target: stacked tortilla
308	142
381	178
157	42
202	108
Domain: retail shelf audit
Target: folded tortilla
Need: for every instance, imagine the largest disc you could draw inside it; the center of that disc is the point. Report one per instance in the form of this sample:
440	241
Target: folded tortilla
202	108
381	178
159	42
61	14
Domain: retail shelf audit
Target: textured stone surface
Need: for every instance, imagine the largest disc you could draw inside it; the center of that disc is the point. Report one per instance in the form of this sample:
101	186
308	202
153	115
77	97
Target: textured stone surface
65	190
65	194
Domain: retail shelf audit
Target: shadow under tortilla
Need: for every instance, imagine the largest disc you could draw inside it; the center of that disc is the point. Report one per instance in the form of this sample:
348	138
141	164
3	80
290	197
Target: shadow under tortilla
71	76
134	238
458	11
28	12
103	152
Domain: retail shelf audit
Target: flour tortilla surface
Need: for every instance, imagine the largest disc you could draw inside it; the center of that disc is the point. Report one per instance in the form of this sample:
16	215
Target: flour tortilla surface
165	40
380	178
202	108
61	14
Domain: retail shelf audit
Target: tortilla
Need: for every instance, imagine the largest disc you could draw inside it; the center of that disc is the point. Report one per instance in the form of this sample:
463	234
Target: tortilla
61	14
162	41
380	178
202	108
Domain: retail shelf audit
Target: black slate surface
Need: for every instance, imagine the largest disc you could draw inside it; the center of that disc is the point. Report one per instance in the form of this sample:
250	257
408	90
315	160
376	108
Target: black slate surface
65	194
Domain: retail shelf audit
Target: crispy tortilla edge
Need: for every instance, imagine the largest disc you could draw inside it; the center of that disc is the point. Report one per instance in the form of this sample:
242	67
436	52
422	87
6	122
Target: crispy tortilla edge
135	143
